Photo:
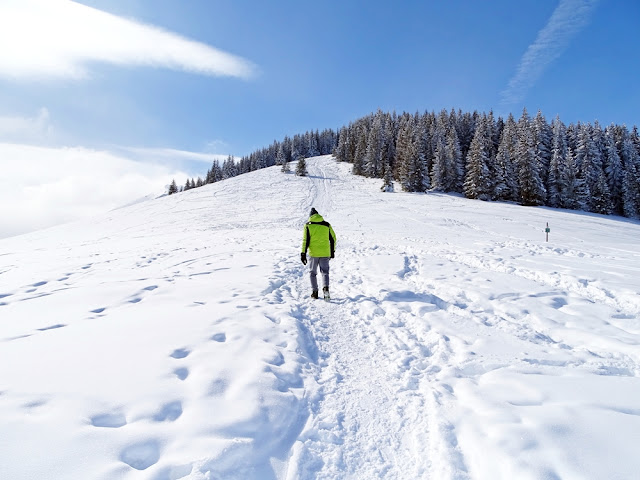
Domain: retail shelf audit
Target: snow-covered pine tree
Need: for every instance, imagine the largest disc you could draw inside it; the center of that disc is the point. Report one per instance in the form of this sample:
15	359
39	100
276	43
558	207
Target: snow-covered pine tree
281	157
613	169
425	140
420	139
557	164
406	155
505	178
542	135
229	168
372	166
173	187
635	139
439	166
341	151
361	151
311	140
631	180
286	168
598	198
465	125
572	194
301	168
478	183
387	185
530	186
388	149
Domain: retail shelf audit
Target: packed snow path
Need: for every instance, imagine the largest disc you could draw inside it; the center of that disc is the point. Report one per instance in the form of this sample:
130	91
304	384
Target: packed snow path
176	339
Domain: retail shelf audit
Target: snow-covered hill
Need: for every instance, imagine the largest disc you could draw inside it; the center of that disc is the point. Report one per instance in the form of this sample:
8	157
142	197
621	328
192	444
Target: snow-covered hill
174	338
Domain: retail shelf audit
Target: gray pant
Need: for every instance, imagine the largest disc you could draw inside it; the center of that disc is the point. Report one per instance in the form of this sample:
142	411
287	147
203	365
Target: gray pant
323	263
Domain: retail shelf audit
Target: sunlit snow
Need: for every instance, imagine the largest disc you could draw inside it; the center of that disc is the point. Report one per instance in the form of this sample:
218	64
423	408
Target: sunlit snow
174	338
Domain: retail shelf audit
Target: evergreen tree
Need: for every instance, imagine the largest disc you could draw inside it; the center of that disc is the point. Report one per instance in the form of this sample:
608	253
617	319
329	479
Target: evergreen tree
173	188
542	135
341	152
588	157
372	166
530	186
506	183
572	194
301	168
631	180
281	157
557	164
387	186
229	168
440	180
361	151
613	169
478	182
409	160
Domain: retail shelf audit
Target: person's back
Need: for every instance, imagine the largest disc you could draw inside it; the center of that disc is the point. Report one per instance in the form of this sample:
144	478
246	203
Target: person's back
319	238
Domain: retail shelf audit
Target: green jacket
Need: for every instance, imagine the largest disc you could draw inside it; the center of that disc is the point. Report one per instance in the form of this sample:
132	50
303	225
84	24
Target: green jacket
318	237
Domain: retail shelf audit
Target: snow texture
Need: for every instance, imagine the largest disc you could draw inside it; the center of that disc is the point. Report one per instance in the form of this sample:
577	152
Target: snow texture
175	338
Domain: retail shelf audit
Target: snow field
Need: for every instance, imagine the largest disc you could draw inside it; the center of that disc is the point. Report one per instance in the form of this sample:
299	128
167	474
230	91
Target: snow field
175	339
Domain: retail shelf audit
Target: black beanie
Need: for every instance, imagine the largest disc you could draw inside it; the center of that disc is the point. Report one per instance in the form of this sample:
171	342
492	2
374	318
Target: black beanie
313	211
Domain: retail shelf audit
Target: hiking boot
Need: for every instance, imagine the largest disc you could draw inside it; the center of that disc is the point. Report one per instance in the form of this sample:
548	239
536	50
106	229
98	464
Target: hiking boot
314	294
325	291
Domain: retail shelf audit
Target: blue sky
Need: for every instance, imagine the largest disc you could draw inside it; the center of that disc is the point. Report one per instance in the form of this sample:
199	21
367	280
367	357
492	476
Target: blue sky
136	92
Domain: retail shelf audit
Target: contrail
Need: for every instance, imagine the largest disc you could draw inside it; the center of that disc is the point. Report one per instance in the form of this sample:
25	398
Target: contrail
567	20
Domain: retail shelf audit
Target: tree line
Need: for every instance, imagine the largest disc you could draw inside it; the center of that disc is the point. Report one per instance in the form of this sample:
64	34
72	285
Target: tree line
309	144
528	161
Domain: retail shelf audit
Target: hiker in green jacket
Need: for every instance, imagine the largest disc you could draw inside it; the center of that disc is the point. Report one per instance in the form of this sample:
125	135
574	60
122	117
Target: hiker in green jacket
320	239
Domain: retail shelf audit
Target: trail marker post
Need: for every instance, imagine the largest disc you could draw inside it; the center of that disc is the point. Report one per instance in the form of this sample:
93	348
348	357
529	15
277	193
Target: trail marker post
547	230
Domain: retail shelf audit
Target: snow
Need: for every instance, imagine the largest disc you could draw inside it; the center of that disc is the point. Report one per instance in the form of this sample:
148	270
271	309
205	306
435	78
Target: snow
174	338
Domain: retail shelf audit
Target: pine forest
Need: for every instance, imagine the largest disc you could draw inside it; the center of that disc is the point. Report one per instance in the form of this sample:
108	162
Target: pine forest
528	161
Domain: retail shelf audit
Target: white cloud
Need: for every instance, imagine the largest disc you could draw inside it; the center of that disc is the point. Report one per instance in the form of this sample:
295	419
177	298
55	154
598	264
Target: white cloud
567	20
58	38
22	129
42	187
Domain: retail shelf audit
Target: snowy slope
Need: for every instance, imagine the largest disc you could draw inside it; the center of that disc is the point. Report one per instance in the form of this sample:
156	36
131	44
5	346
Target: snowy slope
174	339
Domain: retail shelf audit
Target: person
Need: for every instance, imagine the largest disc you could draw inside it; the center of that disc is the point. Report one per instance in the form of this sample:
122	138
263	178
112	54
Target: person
319	238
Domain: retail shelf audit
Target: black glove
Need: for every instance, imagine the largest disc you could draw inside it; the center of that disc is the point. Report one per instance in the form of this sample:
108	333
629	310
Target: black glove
303	258
333	254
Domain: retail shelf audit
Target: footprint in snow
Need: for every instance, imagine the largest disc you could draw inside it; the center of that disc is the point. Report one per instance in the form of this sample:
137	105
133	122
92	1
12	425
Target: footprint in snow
109	420
169	412
277	360
180	353
219	337
218	387
181	373
141	455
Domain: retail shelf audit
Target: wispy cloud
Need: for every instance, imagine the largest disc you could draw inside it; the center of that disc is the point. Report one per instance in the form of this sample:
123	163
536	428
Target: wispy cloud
172	154
30	129
567	20
59	38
